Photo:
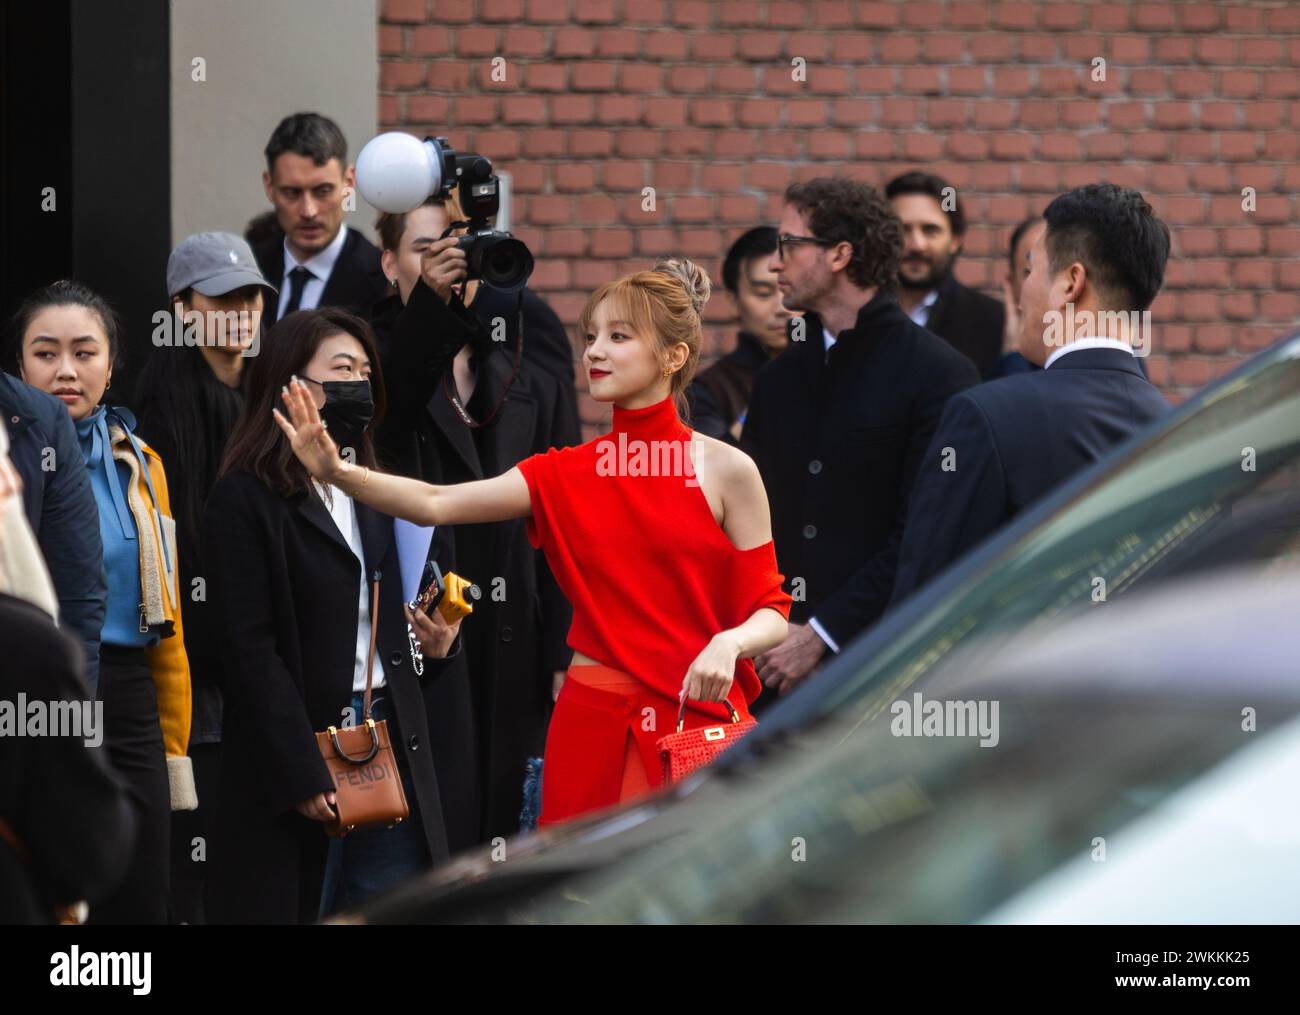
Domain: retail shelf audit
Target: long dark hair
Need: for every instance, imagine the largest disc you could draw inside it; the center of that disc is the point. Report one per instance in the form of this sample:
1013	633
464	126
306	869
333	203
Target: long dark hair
187	414
258	445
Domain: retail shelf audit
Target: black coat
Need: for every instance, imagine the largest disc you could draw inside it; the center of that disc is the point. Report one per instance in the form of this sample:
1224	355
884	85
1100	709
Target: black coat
515	638
285	585
838	446
60	797
1012	441
357	282
971	322
60	508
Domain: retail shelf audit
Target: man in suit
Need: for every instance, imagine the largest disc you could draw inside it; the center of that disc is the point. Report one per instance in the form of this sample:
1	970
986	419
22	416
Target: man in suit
318	261
1002	445
934	225
719	396
838	422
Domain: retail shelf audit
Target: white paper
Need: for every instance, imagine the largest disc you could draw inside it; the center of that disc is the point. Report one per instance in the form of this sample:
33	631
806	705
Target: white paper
413	542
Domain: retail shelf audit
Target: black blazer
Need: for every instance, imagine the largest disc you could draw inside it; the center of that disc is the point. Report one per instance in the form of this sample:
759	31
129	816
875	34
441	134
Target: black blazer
971	322
357	282
838	446
517	634
1012	441
60	508
61	798
285	587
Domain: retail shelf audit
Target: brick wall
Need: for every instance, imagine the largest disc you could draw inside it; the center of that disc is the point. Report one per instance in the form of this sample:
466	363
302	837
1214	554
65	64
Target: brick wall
698	100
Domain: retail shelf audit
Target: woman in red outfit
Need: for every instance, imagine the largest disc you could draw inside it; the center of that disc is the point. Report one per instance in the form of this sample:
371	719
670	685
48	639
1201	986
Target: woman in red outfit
659	537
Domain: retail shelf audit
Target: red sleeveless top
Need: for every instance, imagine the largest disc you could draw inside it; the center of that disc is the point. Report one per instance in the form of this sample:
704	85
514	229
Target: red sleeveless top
635	548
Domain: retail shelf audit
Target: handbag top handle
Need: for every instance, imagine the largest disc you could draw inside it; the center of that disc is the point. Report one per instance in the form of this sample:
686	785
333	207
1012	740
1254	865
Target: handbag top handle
374	631
681	712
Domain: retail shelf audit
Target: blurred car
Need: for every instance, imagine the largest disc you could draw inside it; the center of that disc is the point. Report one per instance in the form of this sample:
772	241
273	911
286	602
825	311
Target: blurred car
1214	484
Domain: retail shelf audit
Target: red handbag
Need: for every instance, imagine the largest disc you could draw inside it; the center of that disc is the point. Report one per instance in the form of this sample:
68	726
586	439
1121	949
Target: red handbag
681	753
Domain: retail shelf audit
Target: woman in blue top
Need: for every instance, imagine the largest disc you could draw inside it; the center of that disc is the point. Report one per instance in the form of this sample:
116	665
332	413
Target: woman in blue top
68	339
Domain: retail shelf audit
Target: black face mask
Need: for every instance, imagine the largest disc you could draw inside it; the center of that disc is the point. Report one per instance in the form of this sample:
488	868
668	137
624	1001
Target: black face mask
349	407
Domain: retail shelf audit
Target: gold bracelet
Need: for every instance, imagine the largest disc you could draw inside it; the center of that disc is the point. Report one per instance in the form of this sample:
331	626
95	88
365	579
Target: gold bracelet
365	475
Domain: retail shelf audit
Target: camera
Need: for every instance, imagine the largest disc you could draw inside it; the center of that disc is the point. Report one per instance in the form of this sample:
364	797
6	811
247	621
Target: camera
397	172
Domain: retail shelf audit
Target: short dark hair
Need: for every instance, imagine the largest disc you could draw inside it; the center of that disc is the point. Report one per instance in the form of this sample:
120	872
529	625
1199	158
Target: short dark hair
756	242
840	210
932	186
1115	235
1016	235
257	445
308	134
63	293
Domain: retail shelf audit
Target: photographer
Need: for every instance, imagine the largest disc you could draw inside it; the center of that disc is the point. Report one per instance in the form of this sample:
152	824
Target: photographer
464	407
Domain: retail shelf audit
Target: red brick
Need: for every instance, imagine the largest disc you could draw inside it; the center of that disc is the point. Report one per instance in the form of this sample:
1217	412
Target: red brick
428	109
1109	17
476	42
923	147
1067	15
550	77
574	42
618	109
548	10
541	144
595	11
520	41
661	112
1153	16
878	15
523	109
665	45
899	49
921	81
588	143
499	10
401	73
991	48
707	46
592	76
618	42
1198	17
572	109
1014	15
390	40
404	10
691	12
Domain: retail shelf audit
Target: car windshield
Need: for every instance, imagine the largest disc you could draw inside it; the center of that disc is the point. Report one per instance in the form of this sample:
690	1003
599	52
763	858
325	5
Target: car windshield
870	827
1220	485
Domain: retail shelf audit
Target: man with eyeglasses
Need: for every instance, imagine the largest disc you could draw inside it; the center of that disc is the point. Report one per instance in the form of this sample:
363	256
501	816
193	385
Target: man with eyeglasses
838	422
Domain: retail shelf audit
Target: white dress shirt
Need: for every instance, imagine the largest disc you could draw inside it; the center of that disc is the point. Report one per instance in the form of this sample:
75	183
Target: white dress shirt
320	267
921	312
344	513
1088	343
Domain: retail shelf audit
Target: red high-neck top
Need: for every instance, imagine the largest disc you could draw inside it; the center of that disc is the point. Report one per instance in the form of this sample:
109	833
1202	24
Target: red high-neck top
650	574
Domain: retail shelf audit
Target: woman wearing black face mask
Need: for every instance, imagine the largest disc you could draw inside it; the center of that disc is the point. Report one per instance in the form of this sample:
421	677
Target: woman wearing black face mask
291	564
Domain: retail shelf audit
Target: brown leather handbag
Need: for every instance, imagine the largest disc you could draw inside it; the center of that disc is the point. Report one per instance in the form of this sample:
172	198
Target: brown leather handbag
367	784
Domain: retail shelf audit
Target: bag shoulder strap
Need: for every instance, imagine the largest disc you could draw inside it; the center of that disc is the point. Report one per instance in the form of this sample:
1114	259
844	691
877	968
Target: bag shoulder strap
374	633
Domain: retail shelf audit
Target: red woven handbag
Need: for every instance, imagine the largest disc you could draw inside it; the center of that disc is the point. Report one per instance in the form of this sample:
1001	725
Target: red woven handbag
680	753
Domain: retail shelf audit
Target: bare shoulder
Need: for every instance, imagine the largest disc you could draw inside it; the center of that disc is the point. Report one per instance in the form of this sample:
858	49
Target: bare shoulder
726	462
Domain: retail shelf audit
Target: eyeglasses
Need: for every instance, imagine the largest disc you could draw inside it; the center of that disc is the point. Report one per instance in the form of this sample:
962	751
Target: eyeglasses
784	238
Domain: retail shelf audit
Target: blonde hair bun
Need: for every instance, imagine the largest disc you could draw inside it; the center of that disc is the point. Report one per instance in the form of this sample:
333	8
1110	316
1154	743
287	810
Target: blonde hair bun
694	279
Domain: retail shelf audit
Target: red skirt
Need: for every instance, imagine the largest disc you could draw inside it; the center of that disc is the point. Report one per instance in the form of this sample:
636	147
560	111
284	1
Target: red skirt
601	744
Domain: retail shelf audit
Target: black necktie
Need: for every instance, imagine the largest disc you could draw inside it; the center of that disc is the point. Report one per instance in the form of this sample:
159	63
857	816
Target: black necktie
297	282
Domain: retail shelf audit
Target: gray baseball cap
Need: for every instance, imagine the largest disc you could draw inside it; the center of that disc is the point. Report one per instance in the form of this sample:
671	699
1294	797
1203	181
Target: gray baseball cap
213	264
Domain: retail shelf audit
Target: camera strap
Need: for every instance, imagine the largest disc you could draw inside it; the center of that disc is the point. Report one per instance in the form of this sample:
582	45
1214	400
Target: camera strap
454	398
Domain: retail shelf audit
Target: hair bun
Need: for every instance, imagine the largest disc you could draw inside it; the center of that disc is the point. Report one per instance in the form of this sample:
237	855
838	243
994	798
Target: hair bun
694	279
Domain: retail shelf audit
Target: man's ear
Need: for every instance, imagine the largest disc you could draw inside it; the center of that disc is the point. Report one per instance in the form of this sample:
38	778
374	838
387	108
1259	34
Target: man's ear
1076	278
350	177
388	261
954	248
841	255
266	185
